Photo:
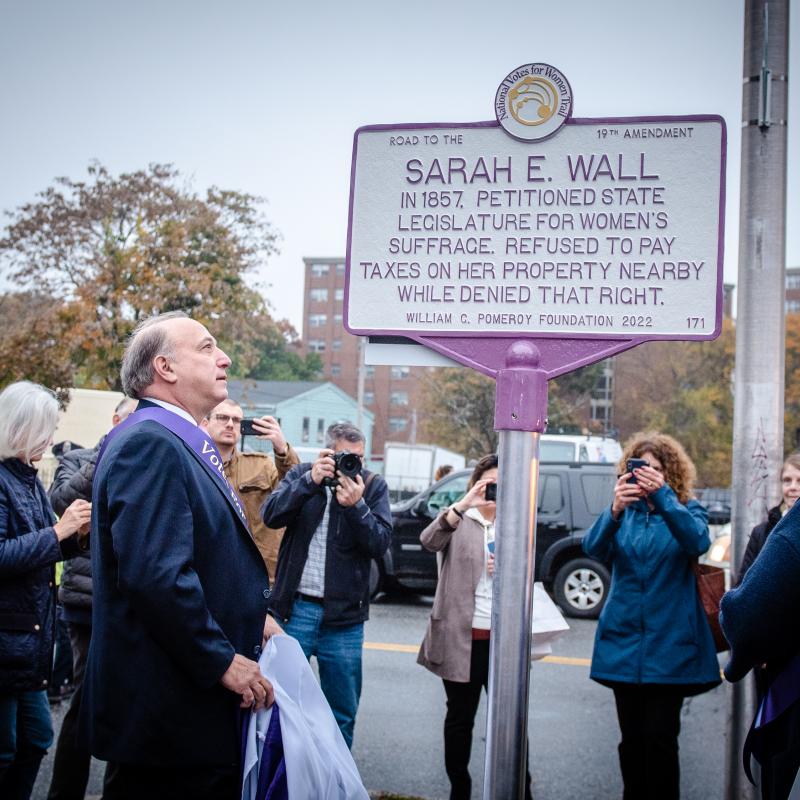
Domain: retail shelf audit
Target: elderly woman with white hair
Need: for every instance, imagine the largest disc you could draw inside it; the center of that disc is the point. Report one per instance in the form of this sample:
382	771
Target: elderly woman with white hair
31	542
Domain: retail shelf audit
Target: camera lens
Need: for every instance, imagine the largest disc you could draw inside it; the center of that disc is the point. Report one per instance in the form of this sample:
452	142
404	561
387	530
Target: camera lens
348	464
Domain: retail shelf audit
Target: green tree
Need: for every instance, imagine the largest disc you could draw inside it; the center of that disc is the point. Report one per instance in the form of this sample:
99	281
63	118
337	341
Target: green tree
791	435
120	248
458	407
683	389
30	346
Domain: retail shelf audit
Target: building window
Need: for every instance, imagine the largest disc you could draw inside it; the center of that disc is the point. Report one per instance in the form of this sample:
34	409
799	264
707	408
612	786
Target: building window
369	371
319	295
369	398
337	319
340	268
399	398
306	426
336	370
336	344
792	306
793	280
317	320
338	294
320	431
398	373
397	424
316	345
318	270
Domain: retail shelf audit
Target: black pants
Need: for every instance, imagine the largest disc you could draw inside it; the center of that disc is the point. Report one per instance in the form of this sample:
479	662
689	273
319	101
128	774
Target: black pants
650	721
462	705
71	763
146	782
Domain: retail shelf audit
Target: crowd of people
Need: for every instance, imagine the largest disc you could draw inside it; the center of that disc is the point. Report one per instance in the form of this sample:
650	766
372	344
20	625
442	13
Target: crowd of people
184	555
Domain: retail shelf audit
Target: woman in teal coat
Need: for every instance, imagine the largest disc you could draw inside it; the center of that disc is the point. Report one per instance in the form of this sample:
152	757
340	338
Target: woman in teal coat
653	646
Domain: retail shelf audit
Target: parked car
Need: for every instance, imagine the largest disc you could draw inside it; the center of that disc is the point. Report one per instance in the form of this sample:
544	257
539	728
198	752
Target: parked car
717	503
571	497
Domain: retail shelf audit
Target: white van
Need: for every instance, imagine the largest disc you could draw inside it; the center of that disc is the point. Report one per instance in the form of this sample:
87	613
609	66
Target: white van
596	449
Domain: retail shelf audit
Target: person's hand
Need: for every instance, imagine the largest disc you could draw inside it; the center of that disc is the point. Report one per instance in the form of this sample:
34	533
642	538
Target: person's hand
476	496
323	467
244	677
271	628
268	428
625	494
490	565
349	491
75	519
651	480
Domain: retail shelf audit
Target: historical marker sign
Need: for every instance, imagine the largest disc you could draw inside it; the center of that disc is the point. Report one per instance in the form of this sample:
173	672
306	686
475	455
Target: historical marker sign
604	228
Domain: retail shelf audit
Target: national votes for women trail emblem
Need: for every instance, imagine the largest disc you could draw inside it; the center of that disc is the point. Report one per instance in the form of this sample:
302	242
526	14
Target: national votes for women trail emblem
533	102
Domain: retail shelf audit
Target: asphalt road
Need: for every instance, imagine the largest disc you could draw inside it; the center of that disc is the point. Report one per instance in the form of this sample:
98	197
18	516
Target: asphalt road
572	723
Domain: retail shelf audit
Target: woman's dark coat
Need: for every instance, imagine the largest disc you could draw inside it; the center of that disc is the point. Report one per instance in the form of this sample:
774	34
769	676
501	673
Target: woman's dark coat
29	550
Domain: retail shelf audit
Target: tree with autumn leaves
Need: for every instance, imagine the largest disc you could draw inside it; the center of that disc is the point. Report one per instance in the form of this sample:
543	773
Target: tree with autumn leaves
681	388
92	258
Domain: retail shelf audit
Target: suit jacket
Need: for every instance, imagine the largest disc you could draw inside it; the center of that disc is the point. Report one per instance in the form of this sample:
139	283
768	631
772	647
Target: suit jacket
447	646
179	587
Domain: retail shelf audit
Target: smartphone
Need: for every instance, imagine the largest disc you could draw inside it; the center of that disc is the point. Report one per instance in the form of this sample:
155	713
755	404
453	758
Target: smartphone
490	546
247	428
635	463
491	492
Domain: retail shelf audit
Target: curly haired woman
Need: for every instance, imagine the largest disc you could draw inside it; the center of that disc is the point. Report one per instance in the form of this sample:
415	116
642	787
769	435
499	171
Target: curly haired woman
653	645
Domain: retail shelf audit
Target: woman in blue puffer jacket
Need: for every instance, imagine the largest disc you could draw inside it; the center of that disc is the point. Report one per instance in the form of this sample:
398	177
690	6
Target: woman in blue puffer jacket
31	542
653	645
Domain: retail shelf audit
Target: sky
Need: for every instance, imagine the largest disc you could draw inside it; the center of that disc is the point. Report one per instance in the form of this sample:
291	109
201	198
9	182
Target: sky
265	97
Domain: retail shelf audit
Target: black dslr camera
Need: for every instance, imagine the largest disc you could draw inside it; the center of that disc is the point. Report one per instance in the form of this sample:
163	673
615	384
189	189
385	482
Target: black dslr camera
347	463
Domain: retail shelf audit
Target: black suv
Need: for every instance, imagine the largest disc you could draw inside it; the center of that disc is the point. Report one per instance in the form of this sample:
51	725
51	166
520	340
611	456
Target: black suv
571	497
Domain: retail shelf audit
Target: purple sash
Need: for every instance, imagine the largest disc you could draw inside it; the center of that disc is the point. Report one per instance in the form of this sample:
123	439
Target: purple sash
195	438
783	693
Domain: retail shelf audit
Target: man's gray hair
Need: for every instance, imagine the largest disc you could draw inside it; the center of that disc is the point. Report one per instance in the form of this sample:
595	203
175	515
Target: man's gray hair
28	419
343	431
148	340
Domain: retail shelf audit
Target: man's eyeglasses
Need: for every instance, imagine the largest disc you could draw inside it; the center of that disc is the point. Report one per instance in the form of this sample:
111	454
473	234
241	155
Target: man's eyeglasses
226	418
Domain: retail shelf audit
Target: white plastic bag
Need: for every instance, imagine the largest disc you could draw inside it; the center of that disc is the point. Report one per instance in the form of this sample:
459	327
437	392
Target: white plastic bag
318	764
547	625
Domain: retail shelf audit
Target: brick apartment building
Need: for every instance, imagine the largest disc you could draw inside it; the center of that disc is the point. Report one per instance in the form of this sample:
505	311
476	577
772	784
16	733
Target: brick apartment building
392	394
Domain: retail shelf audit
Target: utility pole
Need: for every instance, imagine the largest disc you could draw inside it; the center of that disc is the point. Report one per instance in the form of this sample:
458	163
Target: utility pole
760	324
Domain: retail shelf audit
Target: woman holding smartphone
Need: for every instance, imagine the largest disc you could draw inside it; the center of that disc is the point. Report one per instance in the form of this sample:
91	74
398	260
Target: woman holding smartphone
653	645
456	644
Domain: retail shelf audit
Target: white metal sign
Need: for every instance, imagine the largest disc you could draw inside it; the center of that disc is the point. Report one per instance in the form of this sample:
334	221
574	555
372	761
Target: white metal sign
613	227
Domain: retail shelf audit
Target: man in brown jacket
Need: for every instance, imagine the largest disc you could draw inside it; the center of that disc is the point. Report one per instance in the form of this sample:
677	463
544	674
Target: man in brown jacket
253	475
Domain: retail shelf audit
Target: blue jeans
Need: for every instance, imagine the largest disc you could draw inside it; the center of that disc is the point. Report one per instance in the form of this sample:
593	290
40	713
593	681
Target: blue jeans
338	652
26	731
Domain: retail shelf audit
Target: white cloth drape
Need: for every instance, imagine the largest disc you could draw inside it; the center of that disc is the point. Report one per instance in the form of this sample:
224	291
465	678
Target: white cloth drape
318	764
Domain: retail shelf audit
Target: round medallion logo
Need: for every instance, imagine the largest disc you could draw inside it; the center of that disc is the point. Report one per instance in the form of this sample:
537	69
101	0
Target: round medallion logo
533	102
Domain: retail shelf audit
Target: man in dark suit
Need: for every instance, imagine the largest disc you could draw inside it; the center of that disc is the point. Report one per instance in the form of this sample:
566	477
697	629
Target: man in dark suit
180	589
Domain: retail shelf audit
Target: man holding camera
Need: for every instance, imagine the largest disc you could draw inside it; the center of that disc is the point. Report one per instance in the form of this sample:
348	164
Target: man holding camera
252	475
337	521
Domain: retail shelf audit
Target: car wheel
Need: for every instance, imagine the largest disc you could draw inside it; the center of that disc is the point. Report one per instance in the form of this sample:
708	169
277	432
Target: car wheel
581	588
375	579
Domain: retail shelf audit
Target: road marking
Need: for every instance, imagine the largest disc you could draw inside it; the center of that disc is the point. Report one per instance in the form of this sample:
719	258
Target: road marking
413	648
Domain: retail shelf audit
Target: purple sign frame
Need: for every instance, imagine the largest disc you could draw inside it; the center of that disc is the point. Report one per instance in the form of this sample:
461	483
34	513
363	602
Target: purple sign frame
551	354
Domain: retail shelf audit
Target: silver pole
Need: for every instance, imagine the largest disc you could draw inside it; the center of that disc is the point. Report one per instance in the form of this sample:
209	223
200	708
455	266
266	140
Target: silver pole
510	654
759	373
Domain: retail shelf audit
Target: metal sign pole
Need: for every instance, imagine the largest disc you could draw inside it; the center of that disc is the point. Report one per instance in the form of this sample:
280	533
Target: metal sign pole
759	374
520	417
